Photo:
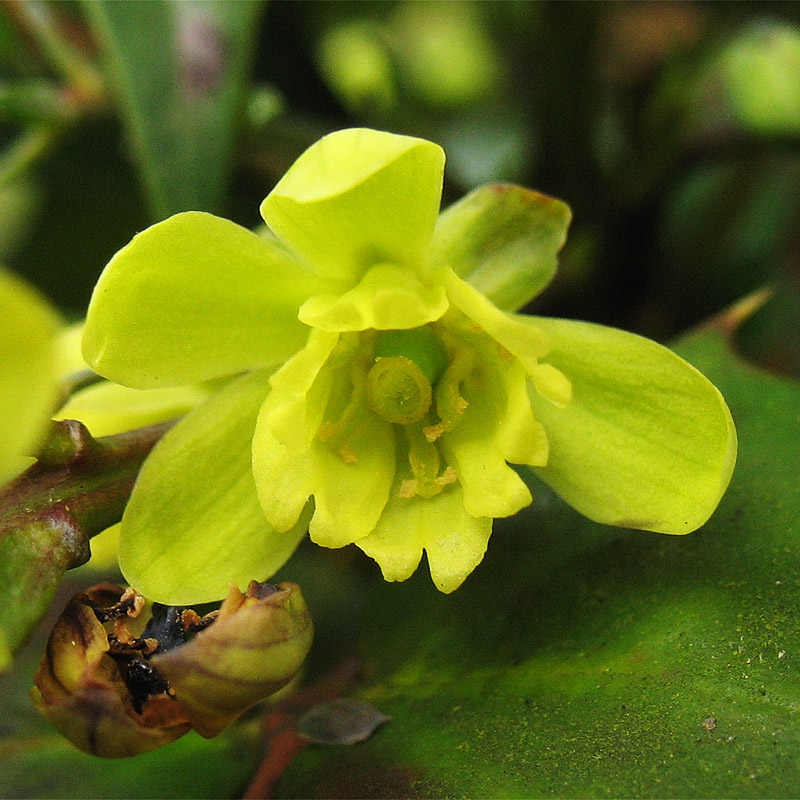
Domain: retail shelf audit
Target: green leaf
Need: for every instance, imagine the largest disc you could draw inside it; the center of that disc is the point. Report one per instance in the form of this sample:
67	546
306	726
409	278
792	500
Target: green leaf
179	71
27	371
192	298
357	198
503	240
194	524
586	661
646	442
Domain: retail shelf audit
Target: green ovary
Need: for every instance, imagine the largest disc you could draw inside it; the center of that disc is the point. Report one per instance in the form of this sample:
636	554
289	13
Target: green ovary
398	391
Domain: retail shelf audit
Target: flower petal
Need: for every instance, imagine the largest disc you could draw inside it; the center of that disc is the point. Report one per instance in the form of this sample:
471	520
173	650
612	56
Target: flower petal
349	496
300	390
108	408
503	240
387	298
490	487
284	477
521	338
195	297
454	540
195	505
646	442
356	198
27	372
521	437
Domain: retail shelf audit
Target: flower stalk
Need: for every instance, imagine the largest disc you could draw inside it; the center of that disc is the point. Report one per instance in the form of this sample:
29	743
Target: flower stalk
48	514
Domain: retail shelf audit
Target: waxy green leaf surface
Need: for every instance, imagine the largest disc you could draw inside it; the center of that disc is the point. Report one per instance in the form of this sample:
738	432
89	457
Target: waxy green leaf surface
586	661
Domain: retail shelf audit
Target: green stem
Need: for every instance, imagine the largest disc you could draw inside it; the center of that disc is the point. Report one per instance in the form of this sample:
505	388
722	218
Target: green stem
27	150
79	487
79	73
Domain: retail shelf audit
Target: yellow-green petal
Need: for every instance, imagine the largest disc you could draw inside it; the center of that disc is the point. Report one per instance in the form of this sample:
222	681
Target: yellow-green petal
646	441
357	198
517	335
284	477
521	437
349	480
300	390
350	493
27	371
503	240
108	408
194	524
192	298
490	487
388	297
454	540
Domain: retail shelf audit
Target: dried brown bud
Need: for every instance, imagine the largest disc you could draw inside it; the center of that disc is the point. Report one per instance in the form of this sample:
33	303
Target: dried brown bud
81	688
115	687
254	648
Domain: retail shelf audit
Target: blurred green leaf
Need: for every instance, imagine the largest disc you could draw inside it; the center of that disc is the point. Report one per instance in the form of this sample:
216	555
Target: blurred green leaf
583	661
178	71
191	767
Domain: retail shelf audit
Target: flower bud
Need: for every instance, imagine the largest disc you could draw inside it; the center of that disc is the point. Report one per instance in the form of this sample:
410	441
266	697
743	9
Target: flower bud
256	645
86	692
116	687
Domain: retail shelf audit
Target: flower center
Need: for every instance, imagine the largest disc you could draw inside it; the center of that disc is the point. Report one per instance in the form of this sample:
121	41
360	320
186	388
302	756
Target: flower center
412	379
407	364
398	390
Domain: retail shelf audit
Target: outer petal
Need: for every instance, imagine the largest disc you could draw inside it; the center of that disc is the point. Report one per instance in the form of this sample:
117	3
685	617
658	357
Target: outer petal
454	540
194	524
503	240
356	198
192	298
109	408
27	371
647	441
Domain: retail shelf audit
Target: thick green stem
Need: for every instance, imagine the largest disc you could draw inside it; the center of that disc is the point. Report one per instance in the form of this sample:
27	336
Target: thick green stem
78	488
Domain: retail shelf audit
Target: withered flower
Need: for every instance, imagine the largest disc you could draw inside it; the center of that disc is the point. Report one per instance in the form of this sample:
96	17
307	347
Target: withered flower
115	686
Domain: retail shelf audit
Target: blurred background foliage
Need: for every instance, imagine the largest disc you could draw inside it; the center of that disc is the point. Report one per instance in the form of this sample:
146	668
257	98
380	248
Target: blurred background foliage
670	128
673	131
